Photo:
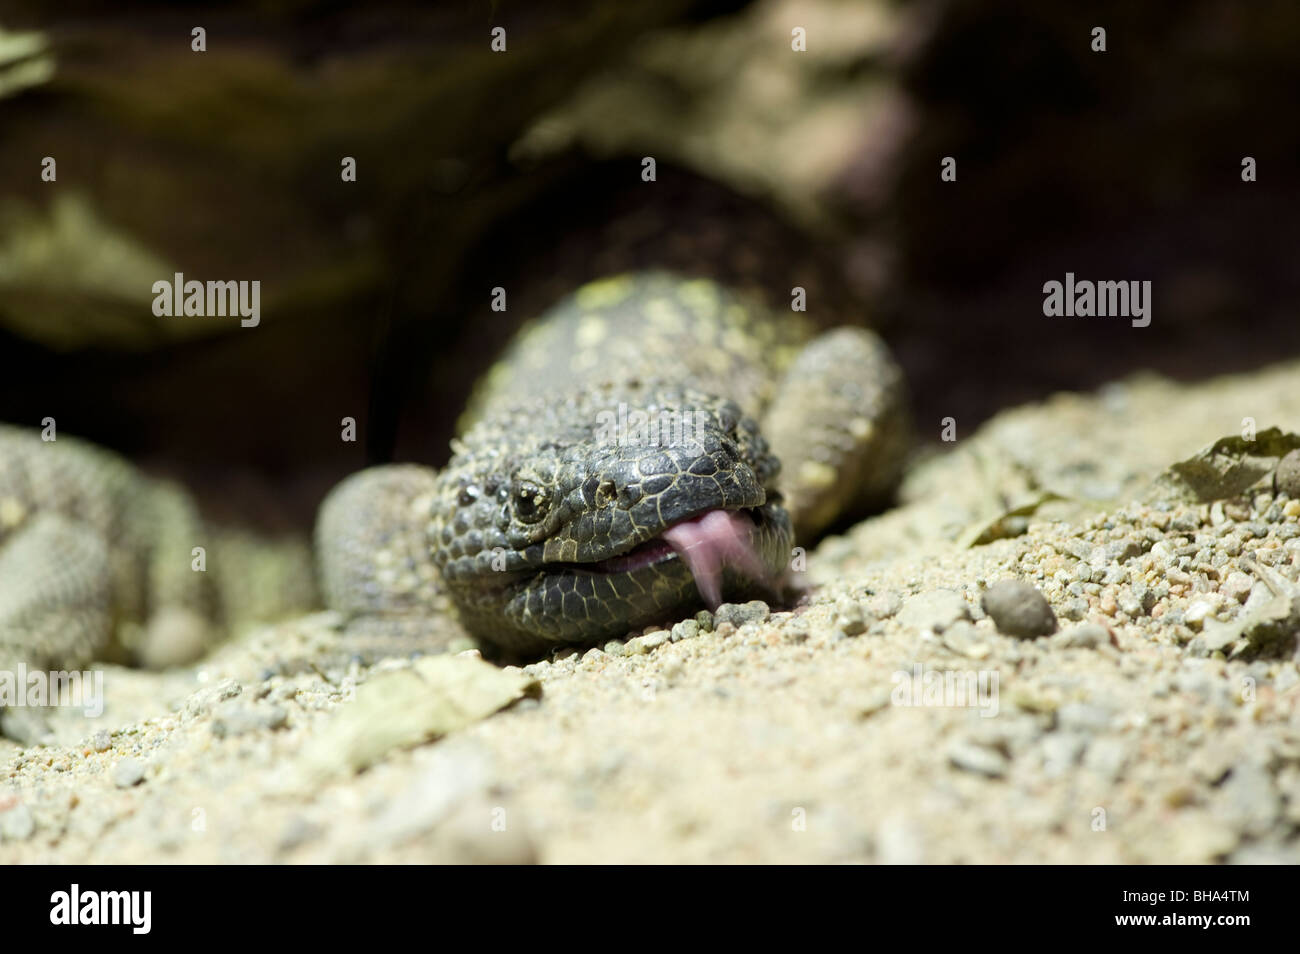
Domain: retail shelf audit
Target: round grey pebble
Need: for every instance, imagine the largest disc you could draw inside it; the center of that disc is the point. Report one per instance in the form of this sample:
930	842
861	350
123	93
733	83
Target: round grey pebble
1287	478
1019	609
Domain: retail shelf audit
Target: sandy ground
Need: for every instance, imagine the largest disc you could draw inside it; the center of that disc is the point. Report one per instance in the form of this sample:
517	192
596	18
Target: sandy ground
887	718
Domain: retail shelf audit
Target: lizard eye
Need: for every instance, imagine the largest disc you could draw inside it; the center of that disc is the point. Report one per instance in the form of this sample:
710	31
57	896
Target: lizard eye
530	501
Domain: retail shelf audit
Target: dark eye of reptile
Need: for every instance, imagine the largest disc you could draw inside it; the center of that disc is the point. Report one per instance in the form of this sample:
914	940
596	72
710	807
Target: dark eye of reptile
530	501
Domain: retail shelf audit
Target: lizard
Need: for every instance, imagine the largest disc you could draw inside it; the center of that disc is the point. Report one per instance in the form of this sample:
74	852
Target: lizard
101	561
90	546
649	444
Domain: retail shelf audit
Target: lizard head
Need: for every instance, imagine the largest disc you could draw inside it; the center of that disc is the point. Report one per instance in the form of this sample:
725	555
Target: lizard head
572	520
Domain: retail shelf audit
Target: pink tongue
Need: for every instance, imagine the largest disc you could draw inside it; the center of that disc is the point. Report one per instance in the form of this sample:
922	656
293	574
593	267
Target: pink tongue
712	542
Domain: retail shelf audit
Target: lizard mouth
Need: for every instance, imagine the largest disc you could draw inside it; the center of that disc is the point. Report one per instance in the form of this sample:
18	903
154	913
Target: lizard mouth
709	543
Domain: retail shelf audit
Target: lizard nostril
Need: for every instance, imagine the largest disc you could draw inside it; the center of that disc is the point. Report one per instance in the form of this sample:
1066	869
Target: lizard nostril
629	495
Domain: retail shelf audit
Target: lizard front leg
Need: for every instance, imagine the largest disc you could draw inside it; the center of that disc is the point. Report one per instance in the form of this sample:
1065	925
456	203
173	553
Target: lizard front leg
374	563
840	426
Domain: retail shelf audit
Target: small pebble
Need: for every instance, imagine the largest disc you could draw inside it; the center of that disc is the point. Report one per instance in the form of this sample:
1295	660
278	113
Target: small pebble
1197	613
1237	586
1287	478
738	614
686	629
1018	609
656	639
1075	609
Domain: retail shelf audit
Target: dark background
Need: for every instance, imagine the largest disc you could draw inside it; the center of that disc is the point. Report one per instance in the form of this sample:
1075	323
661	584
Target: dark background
1117	165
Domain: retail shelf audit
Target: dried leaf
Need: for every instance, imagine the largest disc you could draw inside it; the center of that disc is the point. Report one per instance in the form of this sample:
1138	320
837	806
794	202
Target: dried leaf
436	696
1227	468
